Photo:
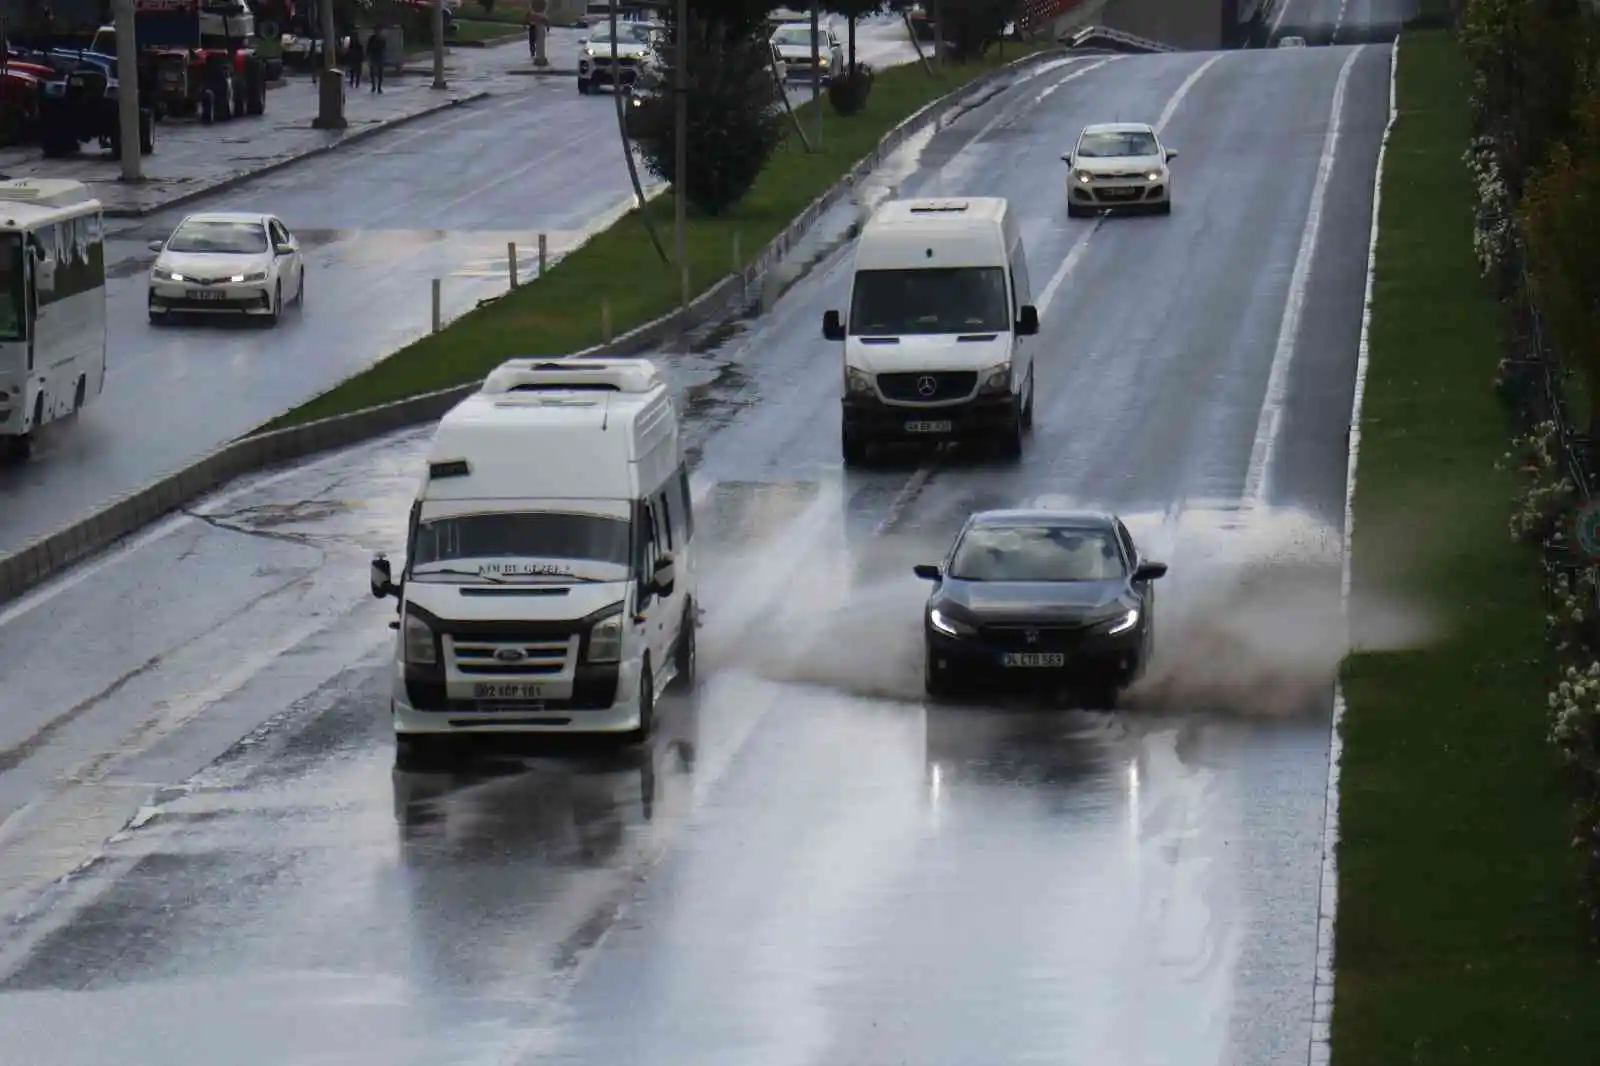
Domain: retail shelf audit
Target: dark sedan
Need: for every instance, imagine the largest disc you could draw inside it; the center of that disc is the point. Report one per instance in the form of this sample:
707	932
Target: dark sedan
1040	596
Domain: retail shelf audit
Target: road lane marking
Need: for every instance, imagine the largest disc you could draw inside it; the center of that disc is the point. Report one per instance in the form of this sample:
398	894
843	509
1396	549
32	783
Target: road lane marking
1262	452
1183	90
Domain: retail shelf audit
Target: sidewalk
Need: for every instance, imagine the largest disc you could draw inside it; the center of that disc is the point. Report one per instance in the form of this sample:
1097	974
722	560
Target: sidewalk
192	160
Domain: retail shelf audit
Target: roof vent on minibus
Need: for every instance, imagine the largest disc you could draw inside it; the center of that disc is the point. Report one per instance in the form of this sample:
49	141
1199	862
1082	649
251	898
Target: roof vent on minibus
47	192
938	207
572	375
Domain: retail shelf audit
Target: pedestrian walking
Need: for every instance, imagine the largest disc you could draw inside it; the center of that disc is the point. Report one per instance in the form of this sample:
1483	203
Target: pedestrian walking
376	47
354	58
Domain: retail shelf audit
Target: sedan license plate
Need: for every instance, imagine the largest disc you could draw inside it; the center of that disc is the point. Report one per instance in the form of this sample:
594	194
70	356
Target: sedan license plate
929	427
507	691
1119	194
1033	658
204	294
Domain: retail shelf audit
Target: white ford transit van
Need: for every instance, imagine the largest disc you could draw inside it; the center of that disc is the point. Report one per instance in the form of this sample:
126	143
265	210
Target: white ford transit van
936	344
549	582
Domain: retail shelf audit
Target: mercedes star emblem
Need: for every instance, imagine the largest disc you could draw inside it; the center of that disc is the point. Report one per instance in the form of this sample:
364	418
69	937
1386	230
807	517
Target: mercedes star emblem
926	386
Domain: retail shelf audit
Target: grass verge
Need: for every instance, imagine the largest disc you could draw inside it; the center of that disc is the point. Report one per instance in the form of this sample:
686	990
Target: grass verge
513	15
470	32
561	313
1459	937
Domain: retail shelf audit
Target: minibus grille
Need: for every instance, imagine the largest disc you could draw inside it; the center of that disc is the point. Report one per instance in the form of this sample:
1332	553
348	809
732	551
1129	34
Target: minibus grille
934	386
511	657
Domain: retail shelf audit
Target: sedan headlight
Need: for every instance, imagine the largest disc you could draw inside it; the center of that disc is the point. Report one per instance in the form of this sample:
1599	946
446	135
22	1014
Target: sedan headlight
255	275
1084	176
857	382
605	640
950	627
996	379
1123	623
1154	175
167	275
420	648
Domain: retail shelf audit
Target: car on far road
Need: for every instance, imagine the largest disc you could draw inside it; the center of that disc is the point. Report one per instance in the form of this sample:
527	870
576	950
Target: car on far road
1291	42
632	47
227	262
793	42
1119	165
1059	597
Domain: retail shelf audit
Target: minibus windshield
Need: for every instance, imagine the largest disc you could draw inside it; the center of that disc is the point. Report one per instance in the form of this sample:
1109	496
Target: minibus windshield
522	543
930	300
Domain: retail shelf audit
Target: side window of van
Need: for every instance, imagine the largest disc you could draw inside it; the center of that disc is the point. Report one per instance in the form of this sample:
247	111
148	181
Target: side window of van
666	517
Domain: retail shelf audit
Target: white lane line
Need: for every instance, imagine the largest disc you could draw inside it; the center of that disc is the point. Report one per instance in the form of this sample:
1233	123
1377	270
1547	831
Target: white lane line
1328	884
1183	90
1271	421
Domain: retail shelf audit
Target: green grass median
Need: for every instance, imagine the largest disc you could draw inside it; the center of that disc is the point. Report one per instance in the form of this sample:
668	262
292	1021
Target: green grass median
1459	936
561	313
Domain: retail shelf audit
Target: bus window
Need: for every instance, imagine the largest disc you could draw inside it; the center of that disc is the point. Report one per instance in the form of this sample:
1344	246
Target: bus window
13	289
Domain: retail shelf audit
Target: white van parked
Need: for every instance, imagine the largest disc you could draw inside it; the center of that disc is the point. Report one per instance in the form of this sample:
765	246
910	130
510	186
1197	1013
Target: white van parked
549	580
935	346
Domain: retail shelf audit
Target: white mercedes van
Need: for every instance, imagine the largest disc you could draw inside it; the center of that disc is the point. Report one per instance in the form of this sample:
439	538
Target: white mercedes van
548	584
936	346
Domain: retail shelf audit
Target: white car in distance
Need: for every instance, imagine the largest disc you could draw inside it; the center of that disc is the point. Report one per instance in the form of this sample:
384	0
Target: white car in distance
227	263
1121	166
1292	42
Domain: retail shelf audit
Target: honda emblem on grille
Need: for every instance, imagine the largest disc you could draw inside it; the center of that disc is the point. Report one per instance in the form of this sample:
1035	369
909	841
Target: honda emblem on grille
1031	636
510	655
926	386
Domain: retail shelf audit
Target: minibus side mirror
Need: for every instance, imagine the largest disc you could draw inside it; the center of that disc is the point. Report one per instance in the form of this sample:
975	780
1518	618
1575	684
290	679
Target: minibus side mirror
832	326
665	576
1171	154
1027	321
382	578
156	246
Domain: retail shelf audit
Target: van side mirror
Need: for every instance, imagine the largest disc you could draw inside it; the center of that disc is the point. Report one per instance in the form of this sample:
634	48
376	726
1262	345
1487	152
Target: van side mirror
1027	321
1150	571
382	578
832	326
665	576
1171	154
1067	159
156	246
926	571
283	249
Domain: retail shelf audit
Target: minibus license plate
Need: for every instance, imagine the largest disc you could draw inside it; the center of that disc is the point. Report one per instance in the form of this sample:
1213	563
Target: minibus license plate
928	427
204	294
507	691
1033	658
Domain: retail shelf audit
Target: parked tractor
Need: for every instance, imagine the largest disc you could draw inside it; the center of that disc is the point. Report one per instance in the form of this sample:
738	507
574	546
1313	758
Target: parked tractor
81	107
195	59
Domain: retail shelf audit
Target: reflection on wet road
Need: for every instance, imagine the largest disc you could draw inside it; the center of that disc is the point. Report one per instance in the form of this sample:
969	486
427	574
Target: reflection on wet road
808	865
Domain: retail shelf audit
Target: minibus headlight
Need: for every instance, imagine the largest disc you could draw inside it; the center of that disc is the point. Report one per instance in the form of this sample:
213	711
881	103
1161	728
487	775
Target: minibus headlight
857	381
1084	177
996	379
605	640
419	645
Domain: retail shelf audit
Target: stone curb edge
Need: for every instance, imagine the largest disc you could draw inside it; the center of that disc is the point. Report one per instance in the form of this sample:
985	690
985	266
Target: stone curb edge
195	193
44	557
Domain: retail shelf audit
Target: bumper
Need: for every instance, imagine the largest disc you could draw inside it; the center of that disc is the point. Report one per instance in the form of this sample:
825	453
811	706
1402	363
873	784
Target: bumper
868	417
1100	659
245	298
1118	193
604	700
599	75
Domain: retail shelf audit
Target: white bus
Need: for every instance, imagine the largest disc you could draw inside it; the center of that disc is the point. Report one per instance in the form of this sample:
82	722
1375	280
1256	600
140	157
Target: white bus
53	311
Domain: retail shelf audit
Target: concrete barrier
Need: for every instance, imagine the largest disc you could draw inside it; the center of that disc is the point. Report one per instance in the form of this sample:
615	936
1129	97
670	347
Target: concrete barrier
47	556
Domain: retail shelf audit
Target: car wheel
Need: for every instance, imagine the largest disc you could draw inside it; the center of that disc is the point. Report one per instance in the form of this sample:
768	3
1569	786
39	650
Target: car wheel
686	652
1103	697
300	293
935	682
1164	208
853	448
1027	409
583	87
159	318
277	304
647	706
421	752
1009	446
1074	211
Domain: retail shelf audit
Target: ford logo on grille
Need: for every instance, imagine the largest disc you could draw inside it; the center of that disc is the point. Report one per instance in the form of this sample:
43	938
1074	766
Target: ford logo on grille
926	385
510	655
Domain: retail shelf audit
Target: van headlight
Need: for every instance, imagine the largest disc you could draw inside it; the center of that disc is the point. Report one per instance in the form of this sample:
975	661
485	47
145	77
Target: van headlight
1154	175
858	382
605	640
420	648
995	379
1084	177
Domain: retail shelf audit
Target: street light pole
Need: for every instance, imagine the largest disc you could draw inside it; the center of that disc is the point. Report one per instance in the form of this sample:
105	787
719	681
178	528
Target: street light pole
438	45
680	162
128	92
330	89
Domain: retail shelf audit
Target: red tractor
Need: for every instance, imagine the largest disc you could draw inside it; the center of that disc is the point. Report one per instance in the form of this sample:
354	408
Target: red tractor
195	59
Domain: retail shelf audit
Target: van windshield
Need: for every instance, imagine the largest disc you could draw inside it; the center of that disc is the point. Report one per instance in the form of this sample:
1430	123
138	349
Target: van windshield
930	300
523	544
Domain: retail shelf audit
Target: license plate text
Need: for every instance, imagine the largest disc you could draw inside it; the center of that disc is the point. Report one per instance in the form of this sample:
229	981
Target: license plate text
928	427
507	691
1033	658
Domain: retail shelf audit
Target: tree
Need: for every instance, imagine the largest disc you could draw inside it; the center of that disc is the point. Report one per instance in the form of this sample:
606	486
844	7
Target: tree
848	88
965	28
850	11
735	114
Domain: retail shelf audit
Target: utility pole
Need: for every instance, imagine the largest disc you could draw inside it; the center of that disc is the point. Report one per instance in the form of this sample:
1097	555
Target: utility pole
938	36
128	92
539	19
816	67
680	162
330	89
438	45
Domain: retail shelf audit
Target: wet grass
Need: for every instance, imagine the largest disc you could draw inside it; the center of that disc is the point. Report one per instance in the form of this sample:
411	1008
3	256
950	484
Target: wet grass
509	14
561	313
1459	938
472	32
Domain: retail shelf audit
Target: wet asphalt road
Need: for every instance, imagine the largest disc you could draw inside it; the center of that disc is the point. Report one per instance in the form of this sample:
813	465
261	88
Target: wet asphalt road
1342	21
808	865
440	197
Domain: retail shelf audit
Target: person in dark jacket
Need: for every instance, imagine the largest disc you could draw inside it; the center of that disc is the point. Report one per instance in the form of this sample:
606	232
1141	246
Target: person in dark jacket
354	58
376	47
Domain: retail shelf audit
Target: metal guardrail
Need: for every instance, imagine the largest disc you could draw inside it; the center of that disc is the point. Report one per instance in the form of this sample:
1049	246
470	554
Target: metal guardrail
1113	37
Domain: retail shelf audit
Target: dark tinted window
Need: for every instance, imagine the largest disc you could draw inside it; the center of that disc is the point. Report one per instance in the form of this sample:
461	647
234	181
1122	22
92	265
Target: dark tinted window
13	309
931	300
547	536
240	238
77	249
1111	145
1036	553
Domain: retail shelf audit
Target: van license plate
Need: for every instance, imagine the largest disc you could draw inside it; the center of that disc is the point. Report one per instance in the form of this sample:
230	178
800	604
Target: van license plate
1031	658
928	427
204	294
507	691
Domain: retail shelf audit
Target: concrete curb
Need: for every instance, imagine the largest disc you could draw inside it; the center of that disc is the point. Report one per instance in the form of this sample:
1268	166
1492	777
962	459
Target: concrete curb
44	557
195	193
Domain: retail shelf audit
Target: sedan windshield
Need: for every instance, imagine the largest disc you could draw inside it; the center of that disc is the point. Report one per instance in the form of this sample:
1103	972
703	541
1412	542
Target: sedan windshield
1036	553
235	238
626	34
520	543
1112	145
930	300
793	35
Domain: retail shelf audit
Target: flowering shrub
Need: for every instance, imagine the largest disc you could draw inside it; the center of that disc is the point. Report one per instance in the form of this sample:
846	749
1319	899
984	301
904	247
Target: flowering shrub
1493	233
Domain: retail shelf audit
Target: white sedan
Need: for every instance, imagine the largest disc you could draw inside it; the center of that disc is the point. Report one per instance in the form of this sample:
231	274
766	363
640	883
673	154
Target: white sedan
1120	165
227	263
